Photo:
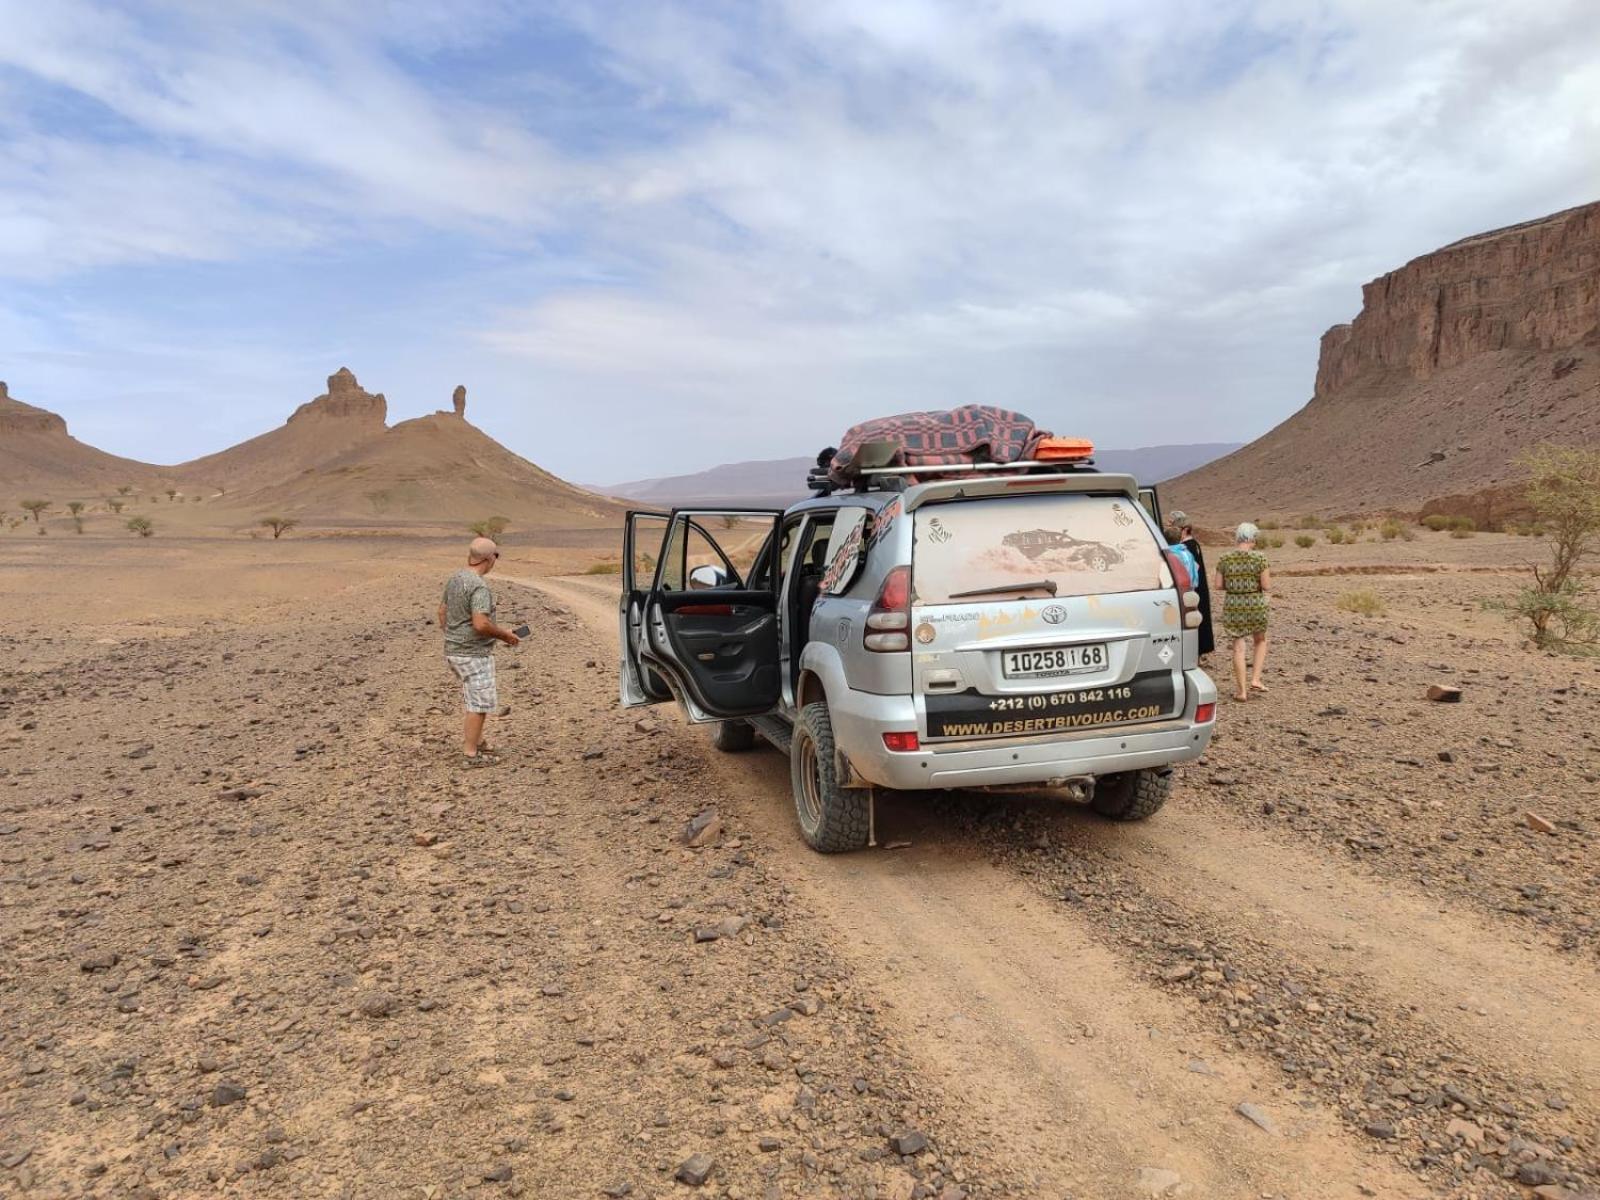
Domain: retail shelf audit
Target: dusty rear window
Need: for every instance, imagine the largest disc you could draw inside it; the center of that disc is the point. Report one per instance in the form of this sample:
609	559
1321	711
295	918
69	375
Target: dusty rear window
1085	545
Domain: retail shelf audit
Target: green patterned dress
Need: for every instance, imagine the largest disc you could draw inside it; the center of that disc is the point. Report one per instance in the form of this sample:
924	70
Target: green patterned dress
1244	611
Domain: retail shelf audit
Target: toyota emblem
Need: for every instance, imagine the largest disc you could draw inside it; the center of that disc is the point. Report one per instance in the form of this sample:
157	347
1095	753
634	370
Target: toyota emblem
1054	614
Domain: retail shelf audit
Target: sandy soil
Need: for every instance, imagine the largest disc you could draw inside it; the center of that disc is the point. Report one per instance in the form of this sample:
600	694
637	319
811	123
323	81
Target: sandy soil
263	937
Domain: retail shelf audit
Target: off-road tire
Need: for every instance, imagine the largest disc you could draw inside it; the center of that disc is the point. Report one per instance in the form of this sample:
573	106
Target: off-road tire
732	737
833	819
1132	795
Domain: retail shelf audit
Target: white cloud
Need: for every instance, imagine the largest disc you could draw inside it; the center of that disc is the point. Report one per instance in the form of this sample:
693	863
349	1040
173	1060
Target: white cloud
1139	213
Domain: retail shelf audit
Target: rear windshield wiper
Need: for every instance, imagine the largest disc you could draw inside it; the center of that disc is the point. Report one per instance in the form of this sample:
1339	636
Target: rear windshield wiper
1044	585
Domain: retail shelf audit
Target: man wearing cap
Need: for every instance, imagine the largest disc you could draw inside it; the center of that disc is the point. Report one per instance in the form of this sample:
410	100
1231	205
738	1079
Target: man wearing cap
466	614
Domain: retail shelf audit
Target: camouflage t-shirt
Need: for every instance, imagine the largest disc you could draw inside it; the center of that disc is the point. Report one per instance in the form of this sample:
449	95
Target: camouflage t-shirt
466	593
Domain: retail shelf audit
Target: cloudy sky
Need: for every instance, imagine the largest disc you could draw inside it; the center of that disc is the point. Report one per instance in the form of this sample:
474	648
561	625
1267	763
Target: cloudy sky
652	237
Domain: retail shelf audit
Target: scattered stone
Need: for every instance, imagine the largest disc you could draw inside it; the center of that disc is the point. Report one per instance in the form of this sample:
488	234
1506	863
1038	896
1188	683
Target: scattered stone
1383	1130
377	1004
499	1173
1440	694
1177	974
103	961
1158	1181
1538	1173
806	1006
425	838
615	1191
1257	1116
226	1093
695	1169
909	1141
703	830
777	1016
1465	1131
1538	824
769	1145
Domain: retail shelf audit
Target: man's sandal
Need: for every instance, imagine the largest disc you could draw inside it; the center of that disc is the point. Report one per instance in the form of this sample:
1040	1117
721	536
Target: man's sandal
480	759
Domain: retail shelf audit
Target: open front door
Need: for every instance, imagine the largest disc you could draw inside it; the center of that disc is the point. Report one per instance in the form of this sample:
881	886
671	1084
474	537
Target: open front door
643	537
706	628
1151	503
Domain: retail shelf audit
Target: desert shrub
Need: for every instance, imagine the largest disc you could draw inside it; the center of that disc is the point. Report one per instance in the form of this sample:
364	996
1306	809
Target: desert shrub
1392	529
125	490
143	526
1462	533
1272	542
1269	525
116	505
1362	600
1564	491
278	525
1357	528
1466	523
1310	522
490	527
380	500
1336	536
1304	540
37	508
604	568
1437	522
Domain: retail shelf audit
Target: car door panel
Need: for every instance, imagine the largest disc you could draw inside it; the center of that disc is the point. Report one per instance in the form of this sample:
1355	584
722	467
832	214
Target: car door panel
641	543
716	649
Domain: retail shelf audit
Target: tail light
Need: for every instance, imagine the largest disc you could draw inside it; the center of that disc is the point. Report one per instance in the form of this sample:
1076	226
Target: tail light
903	742
889	619
1204	713
1186	584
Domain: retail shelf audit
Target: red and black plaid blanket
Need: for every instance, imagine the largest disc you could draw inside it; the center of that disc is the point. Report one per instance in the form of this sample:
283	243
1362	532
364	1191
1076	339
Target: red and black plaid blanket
969	434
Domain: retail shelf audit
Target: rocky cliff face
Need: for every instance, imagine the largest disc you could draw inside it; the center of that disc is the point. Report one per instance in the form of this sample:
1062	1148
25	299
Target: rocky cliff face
1534	286
1457	362
344	398
18	418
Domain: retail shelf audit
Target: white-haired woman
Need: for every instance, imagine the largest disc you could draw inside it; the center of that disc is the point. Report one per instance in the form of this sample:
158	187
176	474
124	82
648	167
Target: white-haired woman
1243	576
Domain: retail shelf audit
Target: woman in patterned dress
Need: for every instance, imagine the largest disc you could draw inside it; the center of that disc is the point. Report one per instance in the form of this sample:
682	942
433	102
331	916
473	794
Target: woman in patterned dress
1243	576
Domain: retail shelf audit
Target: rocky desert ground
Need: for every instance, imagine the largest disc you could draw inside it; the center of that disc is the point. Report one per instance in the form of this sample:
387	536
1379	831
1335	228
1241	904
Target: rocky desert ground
262	936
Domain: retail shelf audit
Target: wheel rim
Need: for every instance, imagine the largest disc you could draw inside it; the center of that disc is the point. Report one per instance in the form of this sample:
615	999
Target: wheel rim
810	794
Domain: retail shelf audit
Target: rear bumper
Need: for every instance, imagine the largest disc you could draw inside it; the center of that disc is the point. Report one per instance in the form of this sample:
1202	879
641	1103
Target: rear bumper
860	719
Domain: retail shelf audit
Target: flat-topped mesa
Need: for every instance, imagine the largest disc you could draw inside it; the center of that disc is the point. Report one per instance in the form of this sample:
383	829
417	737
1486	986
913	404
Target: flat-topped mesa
19	418
345	398
1534	286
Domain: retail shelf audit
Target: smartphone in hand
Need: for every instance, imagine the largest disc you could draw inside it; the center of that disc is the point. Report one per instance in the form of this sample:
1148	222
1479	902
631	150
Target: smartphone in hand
521	631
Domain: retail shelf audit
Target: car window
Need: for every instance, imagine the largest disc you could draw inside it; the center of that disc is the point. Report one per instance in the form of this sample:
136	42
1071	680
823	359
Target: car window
1084	545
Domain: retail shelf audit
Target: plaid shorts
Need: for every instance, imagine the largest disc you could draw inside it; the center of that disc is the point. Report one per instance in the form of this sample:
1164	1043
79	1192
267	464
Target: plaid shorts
476	672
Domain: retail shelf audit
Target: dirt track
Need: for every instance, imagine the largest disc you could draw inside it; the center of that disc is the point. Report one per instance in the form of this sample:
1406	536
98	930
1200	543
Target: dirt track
437	983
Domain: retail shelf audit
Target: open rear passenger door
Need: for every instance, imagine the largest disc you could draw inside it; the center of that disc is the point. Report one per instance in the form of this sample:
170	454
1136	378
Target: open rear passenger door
698	615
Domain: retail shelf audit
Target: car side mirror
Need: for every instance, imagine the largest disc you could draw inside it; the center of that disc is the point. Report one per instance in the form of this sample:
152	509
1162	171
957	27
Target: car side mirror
707	577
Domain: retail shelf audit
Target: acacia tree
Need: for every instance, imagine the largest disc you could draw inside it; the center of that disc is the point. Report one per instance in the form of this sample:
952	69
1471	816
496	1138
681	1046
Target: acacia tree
172	494
1565	493
75	507
143	526
125	490
278	525
490	527
36	507
116	504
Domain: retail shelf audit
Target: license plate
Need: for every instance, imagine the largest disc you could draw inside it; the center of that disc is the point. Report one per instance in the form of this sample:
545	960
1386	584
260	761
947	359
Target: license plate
1056	660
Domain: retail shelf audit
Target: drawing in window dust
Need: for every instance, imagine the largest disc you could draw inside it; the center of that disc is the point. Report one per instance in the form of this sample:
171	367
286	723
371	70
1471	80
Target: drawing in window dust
938	532
1120	516
1034	543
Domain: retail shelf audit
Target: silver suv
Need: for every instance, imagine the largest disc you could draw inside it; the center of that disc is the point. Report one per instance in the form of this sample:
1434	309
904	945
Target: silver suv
1015	627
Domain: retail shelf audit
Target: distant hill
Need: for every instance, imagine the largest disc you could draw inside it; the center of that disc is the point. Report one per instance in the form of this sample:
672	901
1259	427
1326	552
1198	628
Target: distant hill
1456	362
334	461
781	481
38	455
